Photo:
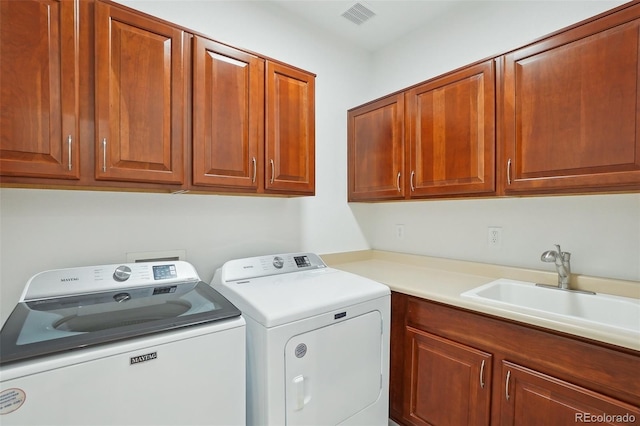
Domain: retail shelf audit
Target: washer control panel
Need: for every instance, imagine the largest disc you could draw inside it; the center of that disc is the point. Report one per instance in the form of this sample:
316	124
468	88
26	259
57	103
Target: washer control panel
262	266
90	279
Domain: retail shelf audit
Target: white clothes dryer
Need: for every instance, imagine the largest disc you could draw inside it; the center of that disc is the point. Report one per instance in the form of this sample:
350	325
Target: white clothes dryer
317	341
132	344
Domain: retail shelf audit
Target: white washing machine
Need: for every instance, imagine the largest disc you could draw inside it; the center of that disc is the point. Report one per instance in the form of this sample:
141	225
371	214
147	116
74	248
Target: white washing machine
133	344
317	341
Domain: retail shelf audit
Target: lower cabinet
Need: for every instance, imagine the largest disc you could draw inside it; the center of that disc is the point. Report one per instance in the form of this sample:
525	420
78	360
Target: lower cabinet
533	398
451	366
446	381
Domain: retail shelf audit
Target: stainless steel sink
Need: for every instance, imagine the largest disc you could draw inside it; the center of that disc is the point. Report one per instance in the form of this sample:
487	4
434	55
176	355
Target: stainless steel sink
620	313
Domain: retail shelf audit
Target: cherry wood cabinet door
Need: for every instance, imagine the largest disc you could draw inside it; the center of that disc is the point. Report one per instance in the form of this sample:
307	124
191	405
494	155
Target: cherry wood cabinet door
572	109
532	398
228	116
140	97
446	383
451	133
375	143
290	130
399	303
39	89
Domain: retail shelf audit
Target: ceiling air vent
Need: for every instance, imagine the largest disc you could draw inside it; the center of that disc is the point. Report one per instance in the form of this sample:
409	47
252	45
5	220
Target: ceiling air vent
359	13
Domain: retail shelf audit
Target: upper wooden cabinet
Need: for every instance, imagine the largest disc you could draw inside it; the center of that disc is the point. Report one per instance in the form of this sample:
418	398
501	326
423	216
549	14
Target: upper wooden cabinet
376	153
228	116
561	115
435	139
290	130
571	109
451	137
140	97
236	96
39	89
157	107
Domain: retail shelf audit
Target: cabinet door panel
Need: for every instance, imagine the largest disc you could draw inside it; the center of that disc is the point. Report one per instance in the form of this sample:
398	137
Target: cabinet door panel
228	116
572	114
290	132
537	399
140	98
451	133
446	383
376	150
39	89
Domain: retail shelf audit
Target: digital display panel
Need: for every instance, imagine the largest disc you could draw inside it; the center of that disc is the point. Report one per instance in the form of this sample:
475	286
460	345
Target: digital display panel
302	261
164	272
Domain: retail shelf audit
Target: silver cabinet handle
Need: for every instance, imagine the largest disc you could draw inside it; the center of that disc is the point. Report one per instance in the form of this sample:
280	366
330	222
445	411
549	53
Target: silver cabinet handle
398	182
104	155
255	170
273	171
506	387
482	375
69	141
509	171
413	174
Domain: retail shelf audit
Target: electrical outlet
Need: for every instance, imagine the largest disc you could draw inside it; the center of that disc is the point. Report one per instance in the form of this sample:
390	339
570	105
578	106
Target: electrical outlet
399	230
494	236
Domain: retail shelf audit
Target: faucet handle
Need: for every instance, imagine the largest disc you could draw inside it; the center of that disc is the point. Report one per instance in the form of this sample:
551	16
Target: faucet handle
558	249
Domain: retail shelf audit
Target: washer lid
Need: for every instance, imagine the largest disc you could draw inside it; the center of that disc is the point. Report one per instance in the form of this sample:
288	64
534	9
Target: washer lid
279	299
157	302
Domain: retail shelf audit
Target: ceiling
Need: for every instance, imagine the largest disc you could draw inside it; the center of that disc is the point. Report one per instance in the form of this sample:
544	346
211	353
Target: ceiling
393	18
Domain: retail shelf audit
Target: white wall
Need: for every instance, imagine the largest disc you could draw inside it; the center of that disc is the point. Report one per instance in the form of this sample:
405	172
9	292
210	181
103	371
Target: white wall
602	232
472	31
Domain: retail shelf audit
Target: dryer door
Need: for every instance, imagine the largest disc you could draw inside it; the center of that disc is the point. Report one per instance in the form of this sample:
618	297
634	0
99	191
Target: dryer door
334	372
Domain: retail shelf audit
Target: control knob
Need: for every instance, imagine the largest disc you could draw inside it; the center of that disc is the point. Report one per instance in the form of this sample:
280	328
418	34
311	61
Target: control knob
278	262
122	273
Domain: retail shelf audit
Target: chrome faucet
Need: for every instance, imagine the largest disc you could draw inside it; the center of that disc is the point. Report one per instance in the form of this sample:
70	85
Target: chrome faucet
562	261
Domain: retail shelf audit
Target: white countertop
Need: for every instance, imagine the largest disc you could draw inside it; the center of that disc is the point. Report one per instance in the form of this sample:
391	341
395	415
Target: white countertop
443	280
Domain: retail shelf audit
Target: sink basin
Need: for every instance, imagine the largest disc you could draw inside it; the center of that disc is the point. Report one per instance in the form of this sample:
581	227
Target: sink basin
616	312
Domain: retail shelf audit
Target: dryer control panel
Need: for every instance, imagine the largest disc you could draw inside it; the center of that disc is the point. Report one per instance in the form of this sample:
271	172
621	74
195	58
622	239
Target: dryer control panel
262	266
